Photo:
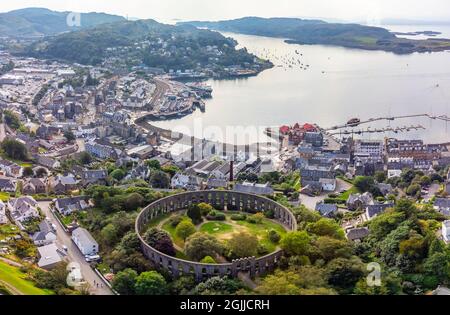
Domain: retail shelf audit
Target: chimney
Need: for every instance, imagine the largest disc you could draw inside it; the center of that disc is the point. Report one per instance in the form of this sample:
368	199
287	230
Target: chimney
231	170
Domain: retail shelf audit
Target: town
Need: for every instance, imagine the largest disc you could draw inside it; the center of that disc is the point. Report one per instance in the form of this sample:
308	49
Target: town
86	178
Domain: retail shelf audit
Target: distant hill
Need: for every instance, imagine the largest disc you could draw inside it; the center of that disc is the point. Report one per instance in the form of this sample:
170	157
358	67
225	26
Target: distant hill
142	41
34	22
311	32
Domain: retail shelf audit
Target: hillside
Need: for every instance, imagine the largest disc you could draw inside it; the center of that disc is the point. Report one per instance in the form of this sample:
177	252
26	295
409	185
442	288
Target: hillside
142	41
35	22
312	32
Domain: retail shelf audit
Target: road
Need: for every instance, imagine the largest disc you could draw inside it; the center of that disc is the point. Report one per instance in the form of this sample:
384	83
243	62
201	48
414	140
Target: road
74	255
432	191
2	132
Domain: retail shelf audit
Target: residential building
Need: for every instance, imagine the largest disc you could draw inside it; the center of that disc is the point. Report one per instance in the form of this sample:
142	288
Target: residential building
62	184
215	183
48	162
34	186
49	256
46	234
359	201
85	242
101	151
183	181
254	188
67	206
373	210
11	169
446	231
8	185
94	176
326	210
442	205
357	234
23	208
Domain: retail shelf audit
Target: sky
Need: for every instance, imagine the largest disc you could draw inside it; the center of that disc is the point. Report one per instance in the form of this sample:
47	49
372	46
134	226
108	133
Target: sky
370	11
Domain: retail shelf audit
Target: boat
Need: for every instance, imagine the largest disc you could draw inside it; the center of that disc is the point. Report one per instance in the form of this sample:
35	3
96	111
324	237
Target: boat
354	122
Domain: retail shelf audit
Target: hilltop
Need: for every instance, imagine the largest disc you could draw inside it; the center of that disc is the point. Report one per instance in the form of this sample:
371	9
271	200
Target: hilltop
37	22
313	32
143	42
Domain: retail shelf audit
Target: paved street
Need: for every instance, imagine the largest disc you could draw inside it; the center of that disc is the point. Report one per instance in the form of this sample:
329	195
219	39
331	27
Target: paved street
2	132
74	255
434	188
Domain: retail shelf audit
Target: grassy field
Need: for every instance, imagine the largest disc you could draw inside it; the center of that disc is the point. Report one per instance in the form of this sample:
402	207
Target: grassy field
216	228
8	230
4	196
12	277
347	194
224	230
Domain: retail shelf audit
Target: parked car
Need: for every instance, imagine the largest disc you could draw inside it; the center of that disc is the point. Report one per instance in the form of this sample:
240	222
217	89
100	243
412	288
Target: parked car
92	258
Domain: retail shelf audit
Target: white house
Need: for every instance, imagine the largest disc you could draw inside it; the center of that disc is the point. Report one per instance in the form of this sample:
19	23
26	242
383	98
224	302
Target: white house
394	173
179	181
46	234
446	231
85	242
23	208
328	184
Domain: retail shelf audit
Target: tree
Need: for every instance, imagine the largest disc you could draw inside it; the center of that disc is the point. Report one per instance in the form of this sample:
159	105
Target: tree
160	241
364	183
69	135
130	242
425	181
151	283
217	286
134	201
124	282
15	150
326	227
185	229
438	265
274	236
205	208
306	280
11	119
28	171
380	176
243	245
110	234
208	260
413	190
170	169
85	158
194	213
296	243
331	248
153	164
345	273
41	172
118	174
200	245
159	179
24	248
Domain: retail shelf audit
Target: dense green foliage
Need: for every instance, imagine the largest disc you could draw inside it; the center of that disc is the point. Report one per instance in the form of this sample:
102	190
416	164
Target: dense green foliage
15	150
